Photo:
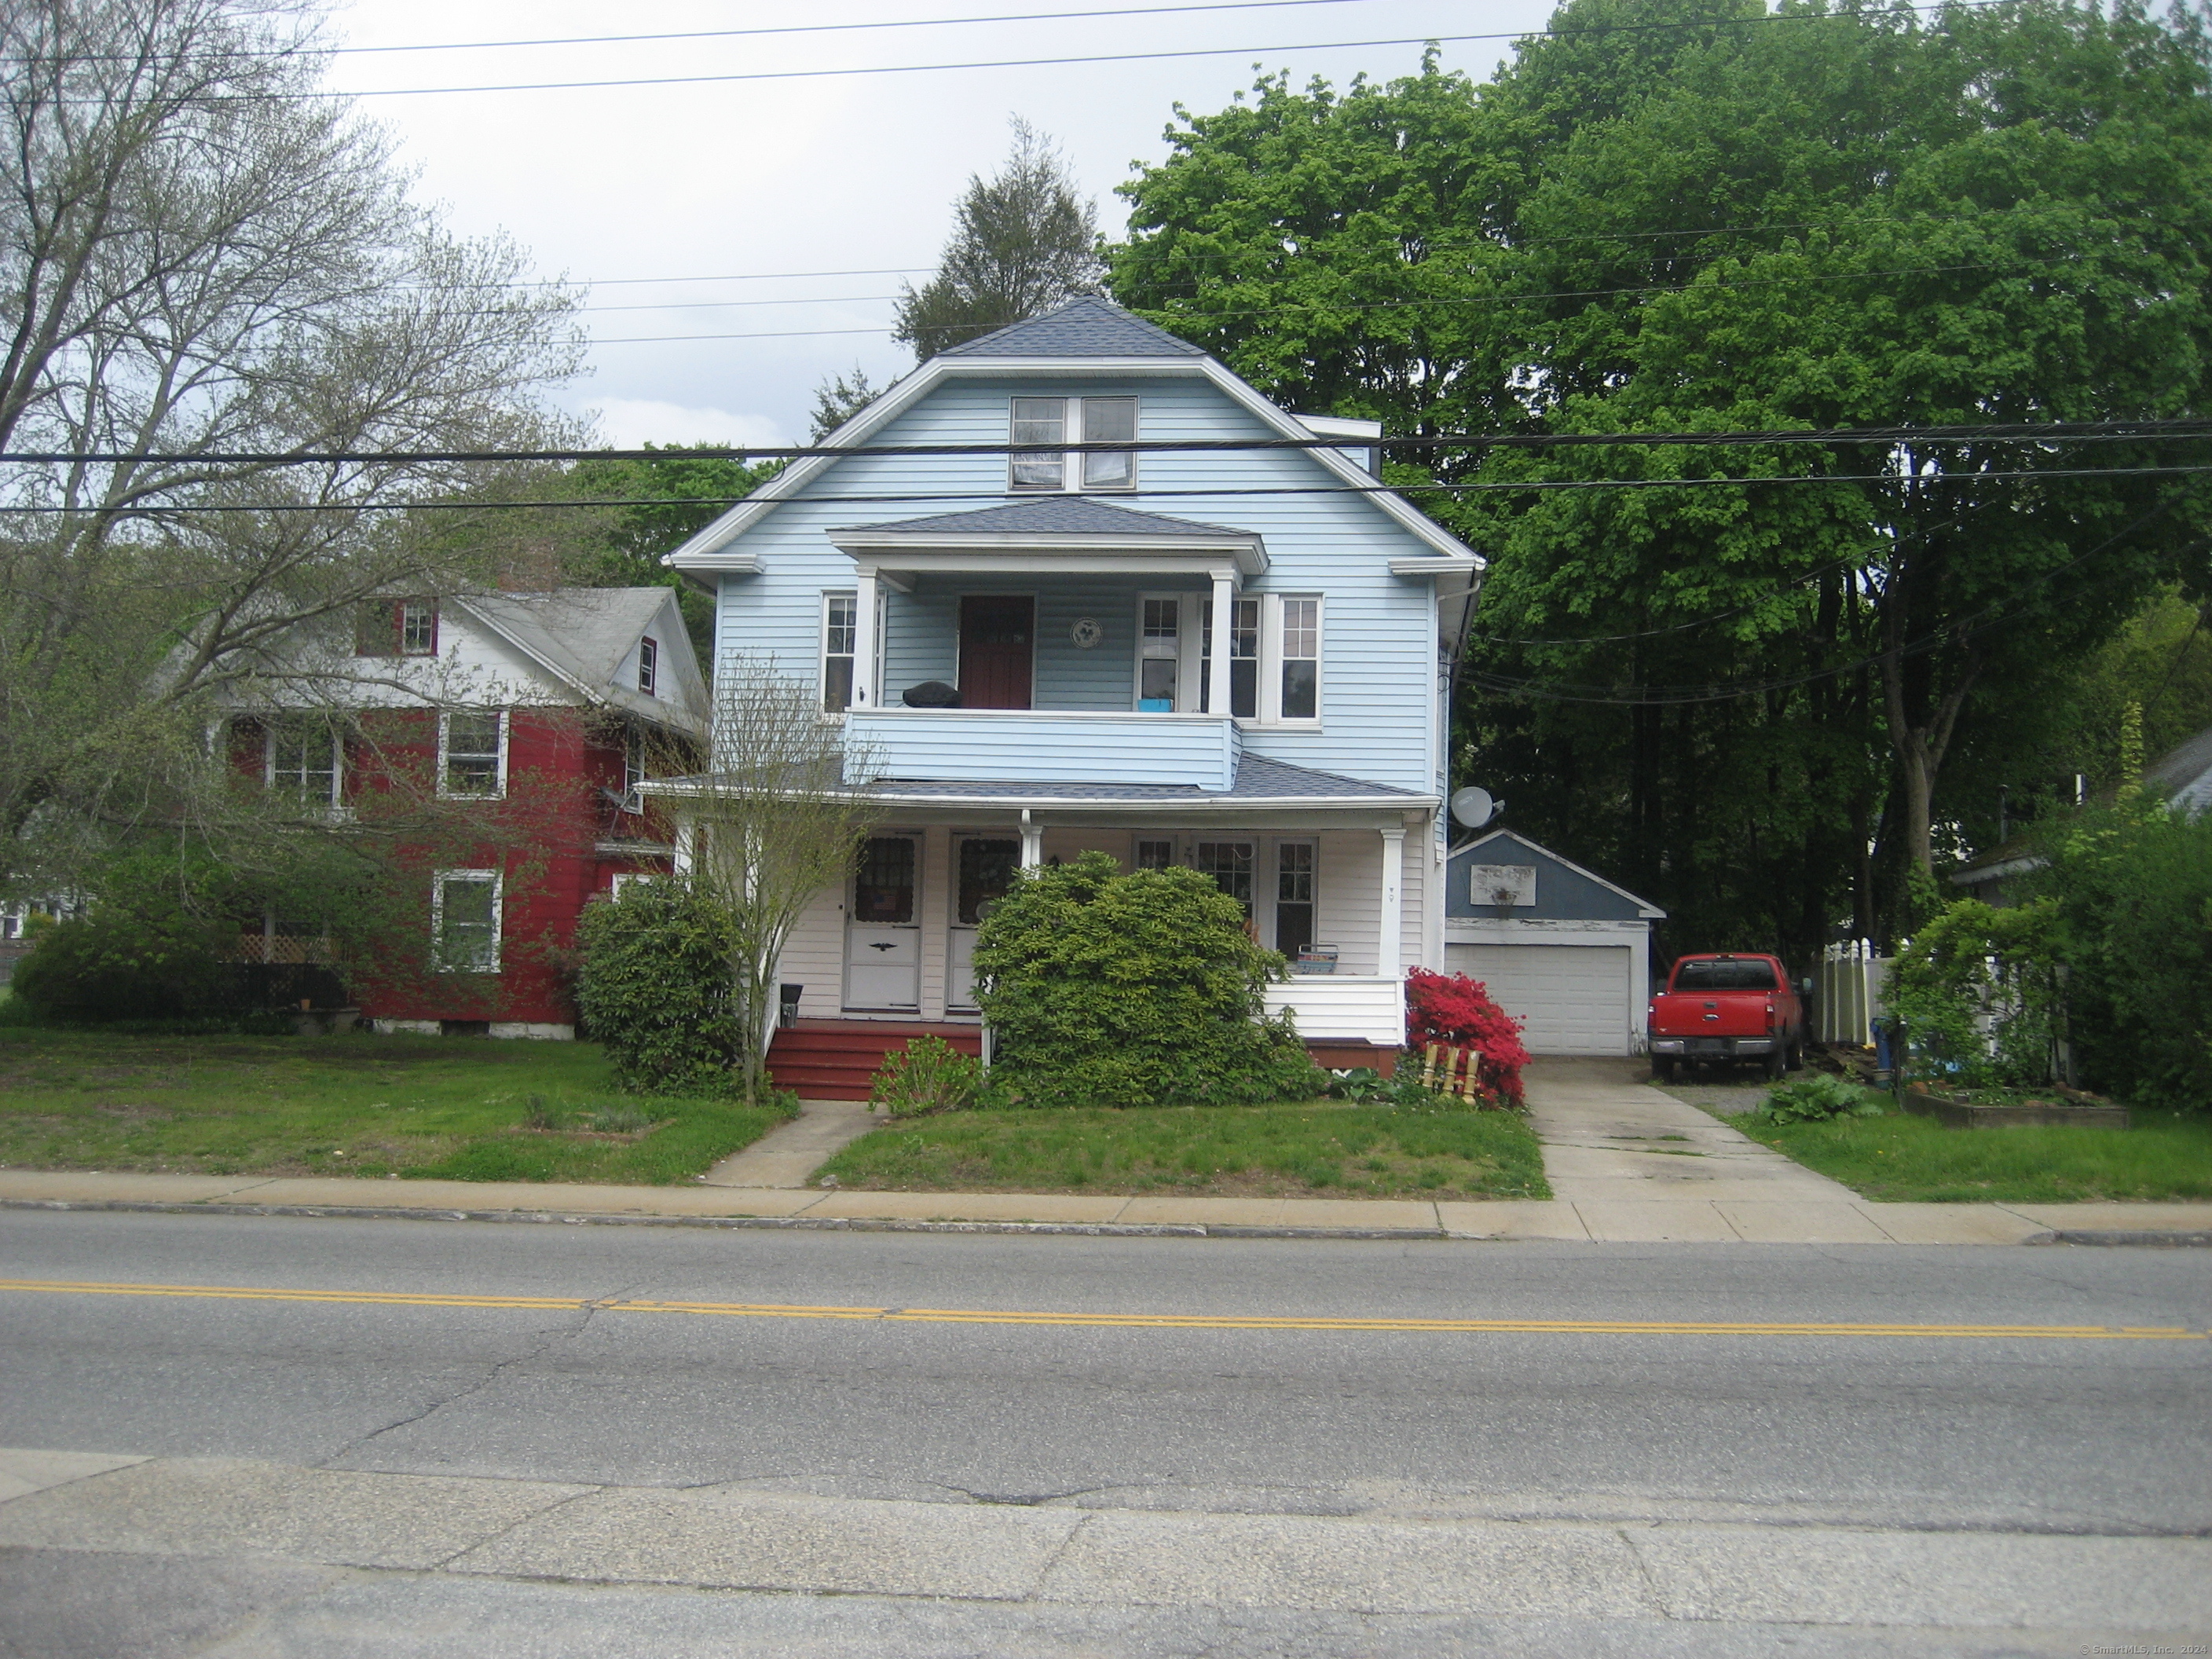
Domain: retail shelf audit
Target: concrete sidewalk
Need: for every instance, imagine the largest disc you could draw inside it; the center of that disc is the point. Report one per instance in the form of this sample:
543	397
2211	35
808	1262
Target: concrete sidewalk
1601	1219
1086	1552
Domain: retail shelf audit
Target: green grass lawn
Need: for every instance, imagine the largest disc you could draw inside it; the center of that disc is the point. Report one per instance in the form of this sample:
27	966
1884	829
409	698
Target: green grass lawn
1900	1158
360	1105
1318	1150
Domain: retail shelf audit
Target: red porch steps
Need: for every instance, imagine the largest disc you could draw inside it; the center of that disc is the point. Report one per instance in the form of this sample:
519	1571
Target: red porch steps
836	1058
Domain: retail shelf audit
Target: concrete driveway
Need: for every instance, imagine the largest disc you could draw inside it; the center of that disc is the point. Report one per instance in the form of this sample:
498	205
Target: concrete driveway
1639	1165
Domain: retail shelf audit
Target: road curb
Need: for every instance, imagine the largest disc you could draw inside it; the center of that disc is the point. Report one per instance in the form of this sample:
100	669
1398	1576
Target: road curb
2094	1237
750	1222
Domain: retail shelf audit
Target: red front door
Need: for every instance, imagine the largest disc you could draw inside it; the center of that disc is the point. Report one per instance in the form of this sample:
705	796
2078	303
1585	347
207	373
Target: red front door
997	651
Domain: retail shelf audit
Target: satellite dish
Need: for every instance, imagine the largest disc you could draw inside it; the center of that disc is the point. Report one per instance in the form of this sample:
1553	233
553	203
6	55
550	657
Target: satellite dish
1473	807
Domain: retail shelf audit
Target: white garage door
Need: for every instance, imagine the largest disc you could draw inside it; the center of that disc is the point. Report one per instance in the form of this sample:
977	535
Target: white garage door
1571	999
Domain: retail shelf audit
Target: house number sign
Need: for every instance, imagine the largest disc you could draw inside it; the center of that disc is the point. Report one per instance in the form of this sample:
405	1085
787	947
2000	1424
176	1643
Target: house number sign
1086	633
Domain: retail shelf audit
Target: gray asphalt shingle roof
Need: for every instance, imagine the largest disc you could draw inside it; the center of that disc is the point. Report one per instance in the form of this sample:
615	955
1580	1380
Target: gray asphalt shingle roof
1257	778
1052	515
1088	326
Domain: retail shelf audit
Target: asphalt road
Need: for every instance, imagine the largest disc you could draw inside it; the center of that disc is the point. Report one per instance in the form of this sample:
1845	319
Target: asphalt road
2087	1435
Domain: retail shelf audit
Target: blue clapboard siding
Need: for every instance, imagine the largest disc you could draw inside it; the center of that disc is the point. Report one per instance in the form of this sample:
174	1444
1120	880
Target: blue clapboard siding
1194	750
1379	669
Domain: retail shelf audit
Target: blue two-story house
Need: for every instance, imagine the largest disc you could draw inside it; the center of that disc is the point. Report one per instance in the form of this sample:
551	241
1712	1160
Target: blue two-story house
1025	649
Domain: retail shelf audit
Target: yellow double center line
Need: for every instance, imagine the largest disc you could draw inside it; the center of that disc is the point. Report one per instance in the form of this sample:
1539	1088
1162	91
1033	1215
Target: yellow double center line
1131	1321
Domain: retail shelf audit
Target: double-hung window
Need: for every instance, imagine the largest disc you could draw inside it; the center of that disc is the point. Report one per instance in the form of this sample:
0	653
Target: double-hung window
1243	660
1275	656
304	761
648	664
840	626
1300	698
397	627
1073	420
472	754
464	916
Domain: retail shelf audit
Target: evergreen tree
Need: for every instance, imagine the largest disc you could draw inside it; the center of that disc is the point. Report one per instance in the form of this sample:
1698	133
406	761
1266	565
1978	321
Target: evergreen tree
1021	244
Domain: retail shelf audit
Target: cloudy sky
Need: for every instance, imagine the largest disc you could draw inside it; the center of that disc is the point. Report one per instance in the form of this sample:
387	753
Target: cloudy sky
789	210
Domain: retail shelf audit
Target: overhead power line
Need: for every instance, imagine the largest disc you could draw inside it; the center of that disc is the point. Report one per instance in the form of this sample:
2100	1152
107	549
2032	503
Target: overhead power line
2163	429
947	498
1076	59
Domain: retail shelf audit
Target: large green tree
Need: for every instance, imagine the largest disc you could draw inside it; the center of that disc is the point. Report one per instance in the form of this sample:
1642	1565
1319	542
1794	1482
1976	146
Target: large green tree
1741	695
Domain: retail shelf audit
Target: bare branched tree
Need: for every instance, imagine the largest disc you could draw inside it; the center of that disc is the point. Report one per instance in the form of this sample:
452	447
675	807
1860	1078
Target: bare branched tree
777	818
205	262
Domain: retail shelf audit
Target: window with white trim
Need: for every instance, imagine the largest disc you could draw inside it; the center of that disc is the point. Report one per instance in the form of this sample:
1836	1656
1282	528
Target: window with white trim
397	628
840	633
623	880
464	921
305	760
648	664
472	754
1072	420
1159	655
1243	660
1300	693
1151	854
632	768
1294	897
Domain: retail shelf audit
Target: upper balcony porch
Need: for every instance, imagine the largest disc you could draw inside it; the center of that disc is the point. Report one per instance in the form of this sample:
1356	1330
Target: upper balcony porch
1066	640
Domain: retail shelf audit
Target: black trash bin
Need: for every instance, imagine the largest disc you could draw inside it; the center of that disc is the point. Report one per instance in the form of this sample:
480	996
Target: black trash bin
788	1012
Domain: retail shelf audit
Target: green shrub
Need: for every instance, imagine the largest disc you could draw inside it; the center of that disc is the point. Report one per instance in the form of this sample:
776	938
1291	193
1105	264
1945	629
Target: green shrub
927	1075
1817	1097
126	962
653	986
1105	989
2133	885
1978	992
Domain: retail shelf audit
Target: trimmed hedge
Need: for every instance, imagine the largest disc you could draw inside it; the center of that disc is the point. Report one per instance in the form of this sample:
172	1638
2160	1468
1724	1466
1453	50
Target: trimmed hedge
1105	989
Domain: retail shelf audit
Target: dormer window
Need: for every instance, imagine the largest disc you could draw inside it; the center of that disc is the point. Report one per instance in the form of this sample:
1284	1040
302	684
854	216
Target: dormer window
1073	420
648	664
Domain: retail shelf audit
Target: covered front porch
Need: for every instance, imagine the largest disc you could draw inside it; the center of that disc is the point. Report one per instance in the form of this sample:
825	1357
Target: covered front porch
1341	886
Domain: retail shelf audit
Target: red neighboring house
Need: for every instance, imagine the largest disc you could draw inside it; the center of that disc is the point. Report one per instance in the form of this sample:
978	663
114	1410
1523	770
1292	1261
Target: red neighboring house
543	707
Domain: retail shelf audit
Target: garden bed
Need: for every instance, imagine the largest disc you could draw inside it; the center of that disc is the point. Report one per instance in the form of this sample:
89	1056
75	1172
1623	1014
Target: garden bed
451	1108
1982	1110
1315	1150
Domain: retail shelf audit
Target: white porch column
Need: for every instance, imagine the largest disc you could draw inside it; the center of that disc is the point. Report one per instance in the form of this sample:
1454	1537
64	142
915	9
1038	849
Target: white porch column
687	843
1389	953
864	629
1032	842
1224	633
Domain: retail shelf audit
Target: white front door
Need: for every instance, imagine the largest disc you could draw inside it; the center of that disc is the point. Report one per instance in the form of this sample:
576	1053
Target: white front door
983	868
883	933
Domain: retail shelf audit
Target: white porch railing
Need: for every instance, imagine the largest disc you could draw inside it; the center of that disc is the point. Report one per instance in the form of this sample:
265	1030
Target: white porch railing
1348	1007
1848	982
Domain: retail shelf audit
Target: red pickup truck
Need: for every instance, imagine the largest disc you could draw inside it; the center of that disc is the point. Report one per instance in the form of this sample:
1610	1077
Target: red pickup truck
1727	1008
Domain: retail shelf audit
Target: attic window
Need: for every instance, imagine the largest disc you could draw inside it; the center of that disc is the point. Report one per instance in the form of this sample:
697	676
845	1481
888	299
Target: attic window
648	664
1073	420
397	627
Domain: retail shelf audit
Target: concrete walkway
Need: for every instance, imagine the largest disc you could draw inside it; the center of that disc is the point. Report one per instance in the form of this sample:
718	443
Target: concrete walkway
785	1155
1597	1218
1637	1163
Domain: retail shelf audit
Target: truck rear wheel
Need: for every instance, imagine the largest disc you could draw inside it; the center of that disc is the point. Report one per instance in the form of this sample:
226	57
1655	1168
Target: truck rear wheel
1663	1068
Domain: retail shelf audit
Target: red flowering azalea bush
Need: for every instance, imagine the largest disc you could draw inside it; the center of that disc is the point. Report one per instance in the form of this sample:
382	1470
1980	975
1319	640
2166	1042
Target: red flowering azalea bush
1455	1009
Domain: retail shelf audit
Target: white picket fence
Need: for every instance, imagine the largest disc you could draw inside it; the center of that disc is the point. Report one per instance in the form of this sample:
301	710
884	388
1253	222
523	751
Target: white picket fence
1847	992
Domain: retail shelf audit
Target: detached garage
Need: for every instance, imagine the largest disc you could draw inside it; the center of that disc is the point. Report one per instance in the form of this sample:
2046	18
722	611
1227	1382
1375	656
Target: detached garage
1566	952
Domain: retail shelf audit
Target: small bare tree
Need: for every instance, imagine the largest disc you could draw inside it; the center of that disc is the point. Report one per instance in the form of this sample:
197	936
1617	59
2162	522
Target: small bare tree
778	817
